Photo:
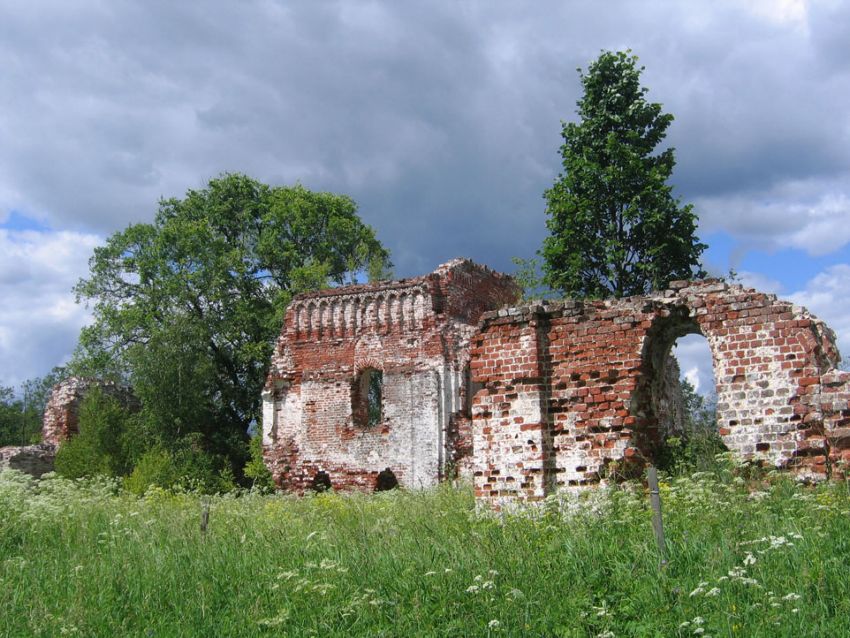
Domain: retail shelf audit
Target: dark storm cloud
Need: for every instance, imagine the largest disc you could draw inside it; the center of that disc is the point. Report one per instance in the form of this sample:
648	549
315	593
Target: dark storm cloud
441	119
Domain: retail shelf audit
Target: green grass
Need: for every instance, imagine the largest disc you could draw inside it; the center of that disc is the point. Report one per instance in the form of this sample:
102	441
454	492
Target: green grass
765	558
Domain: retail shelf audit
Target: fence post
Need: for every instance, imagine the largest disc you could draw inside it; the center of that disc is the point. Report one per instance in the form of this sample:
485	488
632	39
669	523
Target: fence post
205	517
657	523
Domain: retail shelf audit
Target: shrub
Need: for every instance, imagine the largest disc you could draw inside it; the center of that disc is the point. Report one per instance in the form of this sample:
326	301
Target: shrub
155	467
255	468
100	446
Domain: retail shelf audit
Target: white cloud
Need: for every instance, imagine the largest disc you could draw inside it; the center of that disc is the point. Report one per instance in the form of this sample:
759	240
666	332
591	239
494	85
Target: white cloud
693	376
780	11
826	296
39	321
760	282
694	357
810	215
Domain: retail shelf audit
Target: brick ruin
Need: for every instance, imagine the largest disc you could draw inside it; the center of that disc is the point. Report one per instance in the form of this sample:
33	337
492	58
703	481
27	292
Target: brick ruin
62	412
369	384
571	387
34	460
61	421
414	380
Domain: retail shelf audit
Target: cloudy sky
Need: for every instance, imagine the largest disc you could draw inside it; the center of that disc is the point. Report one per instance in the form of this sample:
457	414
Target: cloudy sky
441	119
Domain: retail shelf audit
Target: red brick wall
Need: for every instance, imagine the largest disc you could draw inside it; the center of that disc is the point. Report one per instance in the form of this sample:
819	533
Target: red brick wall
416	332
570	388
61	414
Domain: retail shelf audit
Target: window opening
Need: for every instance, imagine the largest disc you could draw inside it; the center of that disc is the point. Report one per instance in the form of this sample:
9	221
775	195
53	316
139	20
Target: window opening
698	441
367	398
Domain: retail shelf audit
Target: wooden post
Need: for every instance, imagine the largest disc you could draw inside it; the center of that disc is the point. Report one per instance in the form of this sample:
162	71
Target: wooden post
205	517
657	523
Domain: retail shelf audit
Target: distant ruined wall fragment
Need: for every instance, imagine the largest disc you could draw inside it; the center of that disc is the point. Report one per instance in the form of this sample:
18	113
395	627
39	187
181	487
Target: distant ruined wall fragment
61	415
61	421
34	460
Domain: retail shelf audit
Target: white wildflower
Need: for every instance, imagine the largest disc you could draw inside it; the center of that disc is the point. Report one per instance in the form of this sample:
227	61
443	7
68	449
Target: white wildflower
472	589
430	573
791	596
749	559
714	591
493	624
699	590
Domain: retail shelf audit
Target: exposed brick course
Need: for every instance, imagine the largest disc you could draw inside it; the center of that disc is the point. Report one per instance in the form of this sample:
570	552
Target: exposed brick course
558	395
61	415
417	333
571	387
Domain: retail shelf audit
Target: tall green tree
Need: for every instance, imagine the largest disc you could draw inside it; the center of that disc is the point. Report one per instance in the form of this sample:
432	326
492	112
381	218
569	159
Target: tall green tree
187	308
615	227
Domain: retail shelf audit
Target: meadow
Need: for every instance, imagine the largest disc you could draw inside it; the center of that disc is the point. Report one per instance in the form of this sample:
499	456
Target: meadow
754	556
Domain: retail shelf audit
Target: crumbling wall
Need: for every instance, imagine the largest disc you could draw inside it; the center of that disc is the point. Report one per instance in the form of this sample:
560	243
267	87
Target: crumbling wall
415	333
34	460
60	422
61	414
569	388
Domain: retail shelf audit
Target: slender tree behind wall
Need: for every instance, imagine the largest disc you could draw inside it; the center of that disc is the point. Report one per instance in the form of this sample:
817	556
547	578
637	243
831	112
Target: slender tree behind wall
615	227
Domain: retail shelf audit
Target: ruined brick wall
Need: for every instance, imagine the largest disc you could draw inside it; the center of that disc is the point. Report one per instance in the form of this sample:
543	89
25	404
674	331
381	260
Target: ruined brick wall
61	421
61	414
416	333
571	387
34	460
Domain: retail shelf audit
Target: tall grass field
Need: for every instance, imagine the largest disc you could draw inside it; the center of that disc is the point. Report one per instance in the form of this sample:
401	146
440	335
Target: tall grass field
759	557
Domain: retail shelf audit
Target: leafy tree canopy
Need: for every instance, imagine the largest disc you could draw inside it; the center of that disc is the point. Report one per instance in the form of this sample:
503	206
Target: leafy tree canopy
615	227
187	308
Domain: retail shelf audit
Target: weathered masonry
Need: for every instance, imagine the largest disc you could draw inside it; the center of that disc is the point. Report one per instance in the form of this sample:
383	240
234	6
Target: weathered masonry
569	388
62	412
61	420
404	381
369	384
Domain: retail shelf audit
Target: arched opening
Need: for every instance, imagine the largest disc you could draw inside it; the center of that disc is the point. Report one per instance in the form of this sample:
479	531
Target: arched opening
386	481
700	441
367	398
321	482
676	396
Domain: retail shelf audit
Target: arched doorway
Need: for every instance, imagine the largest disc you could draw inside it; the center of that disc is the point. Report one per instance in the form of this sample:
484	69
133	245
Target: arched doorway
676	404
